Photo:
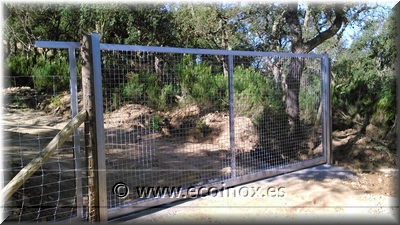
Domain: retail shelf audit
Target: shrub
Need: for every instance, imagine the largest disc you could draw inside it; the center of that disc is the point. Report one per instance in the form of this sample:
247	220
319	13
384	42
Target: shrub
310	97
143	88
202	86
253	93
133	89
155	123
49	76
203	127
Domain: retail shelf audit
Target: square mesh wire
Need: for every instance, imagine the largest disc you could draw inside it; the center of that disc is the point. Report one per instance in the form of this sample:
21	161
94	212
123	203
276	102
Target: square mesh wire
167	117
161	130
32	117
277	112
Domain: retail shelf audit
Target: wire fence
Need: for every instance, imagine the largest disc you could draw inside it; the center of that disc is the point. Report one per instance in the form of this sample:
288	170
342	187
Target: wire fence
168	120
32	116
155	121
172	118
264	137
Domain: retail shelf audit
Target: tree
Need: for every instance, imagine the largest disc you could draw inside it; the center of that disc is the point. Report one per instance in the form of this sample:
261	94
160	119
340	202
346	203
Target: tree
298	28
365	86
213	26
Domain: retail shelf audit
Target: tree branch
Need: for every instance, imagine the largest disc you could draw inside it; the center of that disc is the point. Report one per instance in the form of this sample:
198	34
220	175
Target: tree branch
323	36
296	36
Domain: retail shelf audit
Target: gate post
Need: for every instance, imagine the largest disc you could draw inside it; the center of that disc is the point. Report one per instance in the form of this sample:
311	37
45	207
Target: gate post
94	127
231	116
326	109
73	83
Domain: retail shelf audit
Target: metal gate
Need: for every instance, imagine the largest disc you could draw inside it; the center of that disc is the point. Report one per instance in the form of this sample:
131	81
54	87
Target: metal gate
177	120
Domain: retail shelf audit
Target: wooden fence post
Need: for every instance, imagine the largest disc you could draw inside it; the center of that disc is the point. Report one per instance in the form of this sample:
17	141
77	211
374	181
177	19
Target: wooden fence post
94	127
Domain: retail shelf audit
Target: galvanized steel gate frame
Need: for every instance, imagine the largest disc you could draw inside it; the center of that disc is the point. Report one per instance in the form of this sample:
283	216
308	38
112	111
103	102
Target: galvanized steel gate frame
111	213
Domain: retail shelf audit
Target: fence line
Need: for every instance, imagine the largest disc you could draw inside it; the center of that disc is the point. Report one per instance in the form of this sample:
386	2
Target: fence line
186	117
44	155
150	102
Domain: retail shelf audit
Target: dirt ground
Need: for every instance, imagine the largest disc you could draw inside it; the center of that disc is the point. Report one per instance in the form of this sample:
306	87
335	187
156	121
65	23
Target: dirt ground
325	194
361	185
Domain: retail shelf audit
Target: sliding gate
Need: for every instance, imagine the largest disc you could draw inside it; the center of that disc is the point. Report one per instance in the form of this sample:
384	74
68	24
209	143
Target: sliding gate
180	120
190	118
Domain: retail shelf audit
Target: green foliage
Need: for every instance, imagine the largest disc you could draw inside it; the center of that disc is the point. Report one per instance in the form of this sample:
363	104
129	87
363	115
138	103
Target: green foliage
365	84
134	89
155	123
250	92
48	75
309	97
144	88
201	86
19	64
56	101
203	128
167	97
254	93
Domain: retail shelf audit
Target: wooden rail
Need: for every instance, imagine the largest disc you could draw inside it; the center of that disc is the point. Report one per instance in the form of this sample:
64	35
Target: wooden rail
43	156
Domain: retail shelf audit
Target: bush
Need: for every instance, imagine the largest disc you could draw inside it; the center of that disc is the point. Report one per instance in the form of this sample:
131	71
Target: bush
201	86
203	128
47	75
167	99
19	64
310	97
50	76
143	88
133	89
155	123
253	93
198	84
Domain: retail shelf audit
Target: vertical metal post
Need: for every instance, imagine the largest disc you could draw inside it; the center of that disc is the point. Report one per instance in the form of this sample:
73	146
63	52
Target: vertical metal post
326	109
397	13
98	100
73	83
231	116
95	150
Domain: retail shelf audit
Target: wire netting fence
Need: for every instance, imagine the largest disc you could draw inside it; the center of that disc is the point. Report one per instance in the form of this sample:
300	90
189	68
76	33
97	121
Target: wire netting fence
172	118
35	110
264	137
168	118
156	112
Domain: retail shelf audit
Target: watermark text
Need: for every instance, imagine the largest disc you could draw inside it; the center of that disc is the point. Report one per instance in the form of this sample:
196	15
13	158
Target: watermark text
121	190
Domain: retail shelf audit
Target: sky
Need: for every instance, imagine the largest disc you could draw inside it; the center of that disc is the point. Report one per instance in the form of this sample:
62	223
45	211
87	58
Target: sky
351	32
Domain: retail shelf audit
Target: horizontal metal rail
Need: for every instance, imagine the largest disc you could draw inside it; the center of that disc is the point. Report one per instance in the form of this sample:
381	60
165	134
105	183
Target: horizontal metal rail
119	212
199	51
56	44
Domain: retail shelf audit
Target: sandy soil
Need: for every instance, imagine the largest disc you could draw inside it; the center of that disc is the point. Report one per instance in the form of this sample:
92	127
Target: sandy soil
323	194
368	191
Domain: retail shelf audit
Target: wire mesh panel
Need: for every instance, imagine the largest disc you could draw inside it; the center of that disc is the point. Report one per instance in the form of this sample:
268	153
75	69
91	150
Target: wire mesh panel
36	108
183	118
166	121
277	103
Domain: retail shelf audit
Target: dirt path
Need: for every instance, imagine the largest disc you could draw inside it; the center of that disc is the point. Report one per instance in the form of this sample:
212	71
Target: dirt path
369	192
323	193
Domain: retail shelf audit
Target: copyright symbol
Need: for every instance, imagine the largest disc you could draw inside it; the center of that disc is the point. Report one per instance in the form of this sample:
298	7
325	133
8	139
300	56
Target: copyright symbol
121	190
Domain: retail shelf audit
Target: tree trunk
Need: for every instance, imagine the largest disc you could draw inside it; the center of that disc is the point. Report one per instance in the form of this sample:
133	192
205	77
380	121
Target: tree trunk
292	94
224	66
294	134
158	66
